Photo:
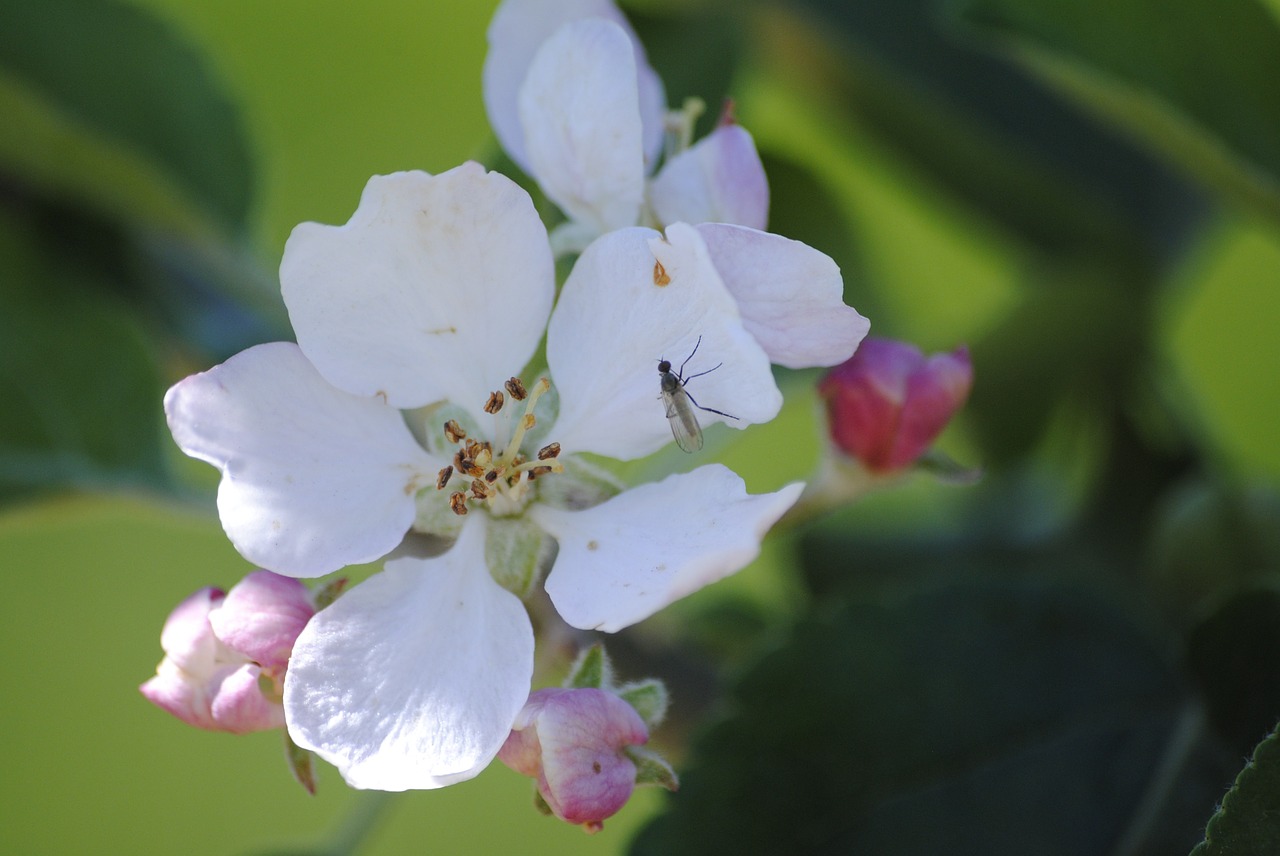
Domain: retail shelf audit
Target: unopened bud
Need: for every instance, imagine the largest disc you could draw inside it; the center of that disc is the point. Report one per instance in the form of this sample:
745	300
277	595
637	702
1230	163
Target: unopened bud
888	403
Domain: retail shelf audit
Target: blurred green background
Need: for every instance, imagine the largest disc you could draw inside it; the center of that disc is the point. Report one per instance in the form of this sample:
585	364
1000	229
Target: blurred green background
1086	193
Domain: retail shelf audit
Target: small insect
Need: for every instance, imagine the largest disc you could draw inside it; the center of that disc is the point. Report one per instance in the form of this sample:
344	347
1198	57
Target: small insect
678	401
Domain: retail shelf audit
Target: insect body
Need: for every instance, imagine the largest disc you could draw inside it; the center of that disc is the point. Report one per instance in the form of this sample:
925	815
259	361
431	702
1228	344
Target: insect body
680	404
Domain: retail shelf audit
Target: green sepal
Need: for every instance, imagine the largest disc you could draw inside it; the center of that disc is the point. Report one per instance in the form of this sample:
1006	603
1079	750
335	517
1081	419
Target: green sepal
653	769
948	470
300	763
581	485
517	552
649	698
329	592
541	804
592	670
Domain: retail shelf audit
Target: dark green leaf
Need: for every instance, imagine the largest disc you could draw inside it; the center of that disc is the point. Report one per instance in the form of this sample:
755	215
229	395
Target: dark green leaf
993	135
803	208
1235	655
1195	80
105	105
977	719
1246	824
696	48
80	387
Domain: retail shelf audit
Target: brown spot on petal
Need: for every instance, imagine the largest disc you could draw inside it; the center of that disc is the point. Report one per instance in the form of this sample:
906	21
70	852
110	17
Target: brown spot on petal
660	276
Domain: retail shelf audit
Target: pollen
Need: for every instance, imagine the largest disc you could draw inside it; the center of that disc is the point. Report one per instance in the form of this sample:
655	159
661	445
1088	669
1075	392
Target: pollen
660	276
499	479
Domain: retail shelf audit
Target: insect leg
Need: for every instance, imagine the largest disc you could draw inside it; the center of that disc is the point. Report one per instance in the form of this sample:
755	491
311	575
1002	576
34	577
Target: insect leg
686	359
709	409
700	374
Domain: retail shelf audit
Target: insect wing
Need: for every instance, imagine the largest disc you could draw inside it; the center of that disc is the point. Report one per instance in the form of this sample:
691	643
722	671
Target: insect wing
682	419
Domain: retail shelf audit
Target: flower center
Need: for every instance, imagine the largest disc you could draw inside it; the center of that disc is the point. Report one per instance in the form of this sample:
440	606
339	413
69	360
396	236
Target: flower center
500	481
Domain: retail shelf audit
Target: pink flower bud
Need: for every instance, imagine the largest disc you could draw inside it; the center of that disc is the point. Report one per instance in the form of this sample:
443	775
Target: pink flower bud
225	655
888	403
571	741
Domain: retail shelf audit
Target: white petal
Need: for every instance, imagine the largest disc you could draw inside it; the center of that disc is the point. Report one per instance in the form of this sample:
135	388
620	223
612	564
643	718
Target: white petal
313	478
790	295
518	29
580	111
624	560
718	180
414	677
615	321
403	301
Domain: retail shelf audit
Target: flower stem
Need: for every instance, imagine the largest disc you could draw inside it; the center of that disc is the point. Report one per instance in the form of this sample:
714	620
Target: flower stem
368	809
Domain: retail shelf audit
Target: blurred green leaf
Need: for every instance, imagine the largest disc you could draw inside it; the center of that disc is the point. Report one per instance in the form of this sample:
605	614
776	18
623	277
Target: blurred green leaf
979	718
997	138
1209	539
696	48
105	106
1077	337
804	208
1246	825
1193	80
1235	655
80	386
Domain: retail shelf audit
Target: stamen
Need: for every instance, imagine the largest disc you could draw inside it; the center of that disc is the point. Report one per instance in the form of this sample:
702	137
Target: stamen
660	276
453	431
551	450
495	402
458	502
516	389
527	421
491	476
443	478
479	489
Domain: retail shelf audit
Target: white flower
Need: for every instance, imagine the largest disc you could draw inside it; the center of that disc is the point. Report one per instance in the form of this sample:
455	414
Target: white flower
575	104
439	289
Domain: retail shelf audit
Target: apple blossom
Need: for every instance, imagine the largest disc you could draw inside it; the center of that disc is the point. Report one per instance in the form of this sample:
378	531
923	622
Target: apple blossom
389	416
226	654
573	101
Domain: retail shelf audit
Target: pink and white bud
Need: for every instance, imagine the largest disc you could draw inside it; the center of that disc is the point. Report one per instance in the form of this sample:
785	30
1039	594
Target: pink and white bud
226	654
573	742
888	403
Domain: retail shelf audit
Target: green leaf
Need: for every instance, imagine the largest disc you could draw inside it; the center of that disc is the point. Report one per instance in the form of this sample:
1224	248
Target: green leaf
106	106
981	718
997	138
1234	655
80	387
1246	824
1194	80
